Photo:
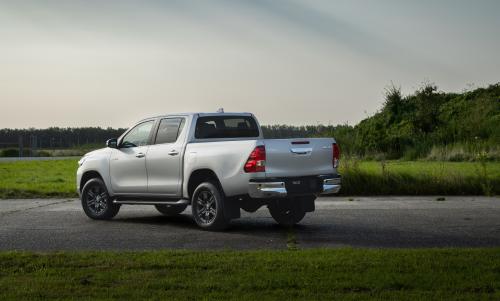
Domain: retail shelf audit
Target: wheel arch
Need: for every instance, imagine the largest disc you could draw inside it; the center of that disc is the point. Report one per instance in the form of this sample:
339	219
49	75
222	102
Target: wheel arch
199	176
88	175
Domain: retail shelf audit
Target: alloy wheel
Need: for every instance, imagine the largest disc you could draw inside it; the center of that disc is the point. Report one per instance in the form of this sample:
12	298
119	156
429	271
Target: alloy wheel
206	207
97	199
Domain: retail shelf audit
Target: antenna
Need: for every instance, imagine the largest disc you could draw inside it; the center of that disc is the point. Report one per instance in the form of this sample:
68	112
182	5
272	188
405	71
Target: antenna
220	110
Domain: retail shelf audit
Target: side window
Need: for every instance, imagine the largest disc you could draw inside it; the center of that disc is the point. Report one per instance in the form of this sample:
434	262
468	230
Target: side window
138	136
169	129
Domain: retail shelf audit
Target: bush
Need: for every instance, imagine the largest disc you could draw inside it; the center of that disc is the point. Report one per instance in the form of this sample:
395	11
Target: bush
10	152
433	124
43	153
14	152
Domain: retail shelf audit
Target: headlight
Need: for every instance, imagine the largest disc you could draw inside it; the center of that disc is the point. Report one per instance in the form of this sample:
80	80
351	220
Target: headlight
80	162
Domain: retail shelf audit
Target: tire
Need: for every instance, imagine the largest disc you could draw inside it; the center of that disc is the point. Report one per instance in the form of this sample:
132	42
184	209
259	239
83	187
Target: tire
287	212
207	205
96	202
170	210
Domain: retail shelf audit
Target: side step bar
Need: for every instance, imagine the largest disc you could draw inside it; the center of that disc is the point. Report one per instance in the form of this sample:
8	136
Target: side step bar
151	202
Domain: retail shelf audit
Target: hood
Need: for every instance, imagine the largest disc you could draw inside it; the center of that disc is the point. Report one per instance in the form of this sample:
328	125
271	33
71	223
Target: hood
96	153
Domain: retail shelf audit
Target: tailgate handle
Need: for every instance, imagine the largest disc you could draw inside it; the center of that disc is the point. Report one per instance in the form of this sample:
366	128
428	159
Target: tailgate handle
301	151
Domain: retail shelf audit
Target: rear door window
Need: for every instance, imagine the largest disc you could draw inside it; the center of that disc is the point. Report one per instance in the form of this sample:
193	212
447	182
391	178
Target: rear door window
226	127
169	130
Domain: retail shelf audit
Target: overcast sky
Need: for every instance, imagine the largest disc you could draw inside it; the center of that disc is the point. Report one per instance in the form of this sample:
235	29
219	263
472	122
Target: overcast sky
110	63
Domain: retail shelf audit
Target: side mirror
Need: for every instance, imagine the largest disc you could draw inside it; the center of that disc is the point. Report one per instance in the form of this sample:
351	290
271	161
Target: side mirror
112	143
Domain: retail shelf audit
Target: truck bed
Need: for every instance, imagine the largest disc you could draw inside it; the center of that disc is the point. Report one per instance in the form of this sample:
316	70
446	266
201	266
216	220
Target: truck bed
285	158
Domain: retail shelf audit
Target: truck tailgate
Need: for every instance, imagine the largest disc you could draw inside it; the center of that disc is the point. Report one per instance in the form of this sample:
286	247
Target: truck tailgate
298	157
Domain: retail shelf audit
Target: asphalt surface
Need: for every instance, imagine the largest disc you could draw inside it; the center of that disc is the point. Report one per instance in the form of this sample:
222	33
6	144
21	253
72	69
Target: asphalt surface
383	222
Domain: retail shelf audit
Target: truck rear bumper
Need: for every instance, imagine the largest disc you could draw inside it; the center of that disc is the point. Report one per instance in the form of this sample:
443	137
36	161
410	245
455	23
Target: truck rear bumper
331	185
280	188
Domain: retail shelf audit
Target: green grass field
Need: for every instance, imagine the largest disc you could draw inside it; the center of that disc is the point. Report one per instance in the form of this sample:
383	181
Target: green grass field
25	179
348	274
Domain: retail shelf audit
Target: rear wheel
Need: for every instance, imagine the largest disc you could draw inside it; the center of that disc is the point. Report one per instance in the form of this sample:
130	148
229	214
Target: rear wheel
96	202
207	205
287	212
170	210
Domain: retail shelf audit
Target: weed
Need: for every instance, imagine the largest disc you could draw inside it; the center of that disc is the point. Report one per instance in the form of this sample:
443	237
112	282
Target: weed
482	172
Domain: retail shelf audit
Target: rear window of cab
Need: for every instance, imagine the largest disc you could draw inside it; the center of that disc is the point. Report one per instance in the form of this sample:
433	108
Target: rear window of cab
226	127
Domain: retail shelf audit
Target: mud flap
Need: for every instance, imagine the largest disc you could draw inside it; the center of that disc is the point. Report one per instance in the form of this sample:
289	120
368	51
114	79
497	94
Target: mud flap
231	208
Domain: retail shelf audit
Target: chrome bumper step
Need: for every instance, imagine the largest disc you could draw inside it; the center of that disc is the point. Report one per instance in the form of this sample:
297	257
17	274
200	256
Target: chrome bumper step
152	202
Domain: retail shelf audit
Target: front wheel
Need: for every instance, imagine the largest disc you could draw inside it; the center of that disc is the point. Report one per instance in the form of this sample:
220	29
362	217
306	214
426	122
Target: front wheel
287	212
207	205
96	202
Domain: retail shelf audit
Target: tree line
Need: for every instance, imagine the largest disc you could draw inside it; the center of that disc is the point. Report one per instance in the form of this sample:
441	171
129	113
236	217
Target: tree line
56	137
407	126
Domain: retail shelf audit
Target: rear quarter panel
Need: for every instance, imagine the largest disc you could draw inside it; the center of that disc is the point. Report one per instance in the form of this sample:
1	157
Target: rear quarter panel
225	158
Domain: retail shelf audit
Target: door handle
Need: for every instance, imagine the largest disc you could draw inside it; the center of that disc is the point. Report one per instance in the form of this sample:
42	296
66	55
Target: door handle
140	155
173	152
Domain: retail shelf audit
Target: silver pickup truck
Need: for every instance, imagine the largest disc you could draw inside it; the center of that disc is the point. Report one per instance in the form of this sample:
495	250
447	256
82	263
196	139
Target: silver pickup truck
218	163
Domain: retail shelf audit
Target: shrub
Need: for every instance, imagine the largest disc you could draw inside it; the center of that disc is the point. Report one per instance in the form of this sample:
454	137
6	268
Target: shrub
43	153
10	152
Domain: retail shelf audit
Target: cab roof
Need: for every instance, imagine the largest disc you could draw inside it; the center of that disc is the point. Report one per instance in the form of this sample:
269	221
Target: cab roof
201	114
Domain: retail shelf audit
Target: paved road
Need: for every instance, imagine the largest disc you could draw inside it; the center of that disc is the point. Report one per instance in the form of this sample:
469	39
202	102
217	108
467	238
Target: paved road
359	222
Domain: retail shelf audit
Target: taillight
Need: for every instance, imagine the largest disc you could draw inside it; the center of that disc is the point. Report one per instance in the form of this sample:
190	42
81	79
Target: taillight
336	155
257	160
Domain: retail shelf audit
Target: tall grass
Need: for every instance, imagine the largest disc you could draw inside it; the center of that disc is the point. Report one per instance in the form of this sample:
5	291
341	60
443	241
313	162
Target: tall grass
419	178
464	152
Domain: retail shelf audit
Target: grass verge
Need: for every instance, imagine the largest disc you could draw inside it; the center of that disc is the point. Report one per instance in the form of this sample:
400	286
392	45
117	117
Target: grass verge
347	274
25	179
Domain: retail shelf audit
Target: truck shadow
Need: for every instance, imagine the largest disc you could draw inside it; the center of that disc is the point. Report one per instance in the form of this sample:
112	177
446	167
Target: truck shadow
261	231
180	221
249	225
